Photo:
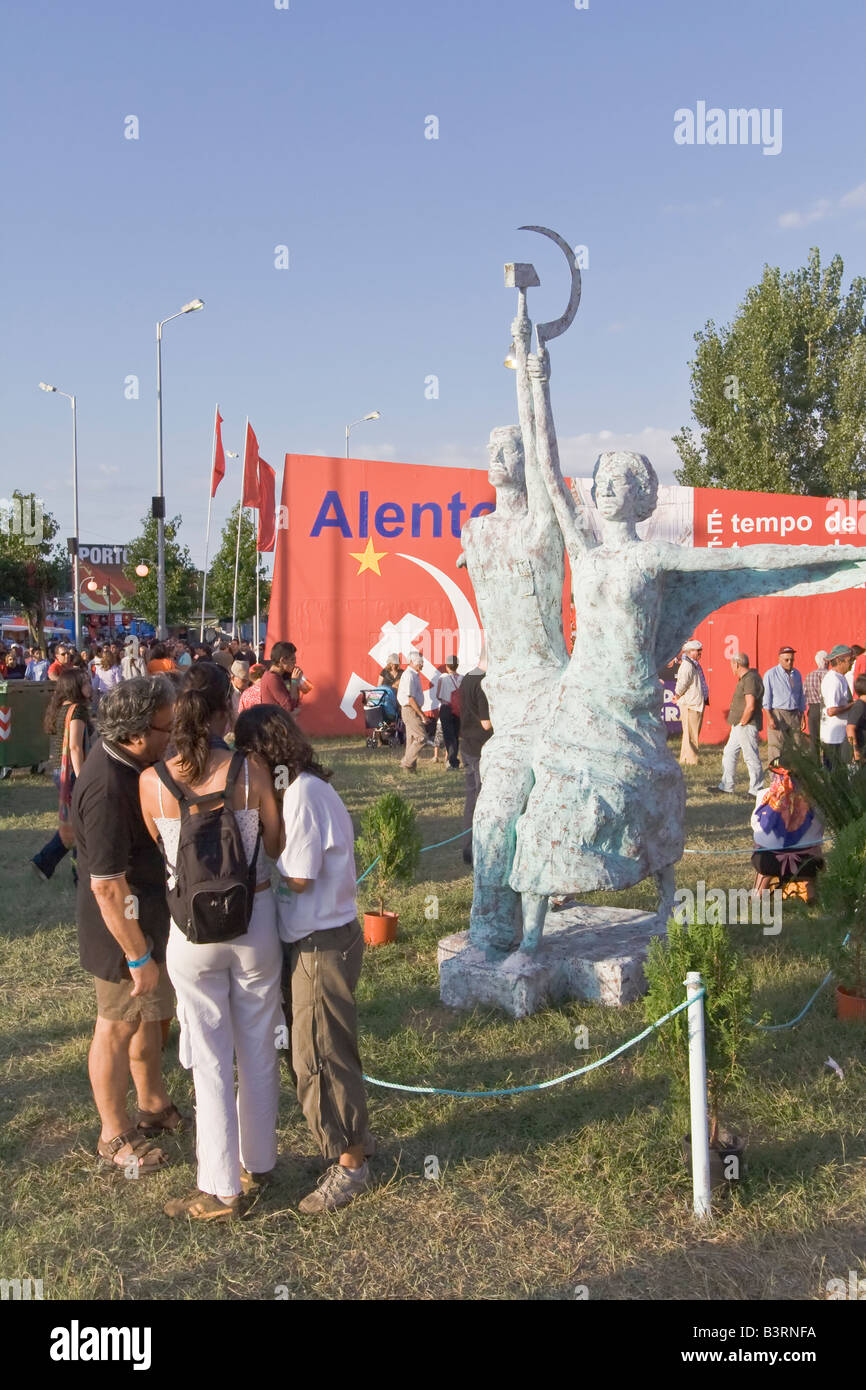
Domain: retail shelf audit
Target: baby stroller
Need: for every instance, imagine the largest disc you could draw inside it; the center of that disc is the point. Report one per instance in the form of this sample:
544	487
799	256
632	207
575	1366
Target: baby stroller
380	716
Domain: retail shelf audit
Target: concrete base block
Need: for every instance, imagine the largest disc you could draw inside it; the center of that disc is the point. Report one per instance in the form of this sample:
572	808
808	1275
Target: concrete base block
593	953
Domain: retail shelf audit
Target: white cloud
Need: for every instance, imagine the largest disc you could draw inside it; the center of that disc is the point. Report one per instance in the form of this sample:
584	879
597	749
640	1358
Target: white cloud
823	208
856	198
578	452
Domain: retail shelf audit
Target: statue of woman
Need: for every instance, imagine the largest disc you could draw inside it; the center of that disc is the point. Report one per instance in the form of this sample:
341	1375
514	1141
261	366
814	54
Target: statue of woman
607	805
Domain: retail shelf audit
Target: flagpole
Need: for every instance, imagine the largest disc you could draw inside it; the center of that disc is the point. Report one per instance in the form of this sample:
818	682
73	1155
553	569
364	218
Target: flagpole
204	574
238	543
258	619
207	533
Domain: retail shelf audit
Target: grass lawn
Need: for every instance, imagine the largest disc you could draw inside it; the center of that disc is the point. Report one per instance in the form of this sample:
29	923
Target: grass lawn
582	1184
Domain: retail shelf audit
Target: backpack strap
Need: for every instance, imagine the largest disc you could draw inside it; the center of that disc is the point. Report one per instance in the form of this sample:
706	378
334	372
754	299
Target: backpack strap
237	760
167	780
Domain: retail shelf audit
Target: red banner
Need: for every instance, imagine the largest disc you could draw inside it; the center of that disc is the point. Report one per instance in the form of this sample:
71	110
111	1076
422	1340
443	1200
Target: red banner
267	533
759	627
365	565
250	497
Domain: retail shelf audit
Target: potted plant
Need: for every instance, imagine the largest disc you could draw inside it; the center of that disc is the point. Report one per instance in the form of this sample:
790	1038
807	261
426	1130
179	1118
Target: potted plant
707	948
391	842
843	893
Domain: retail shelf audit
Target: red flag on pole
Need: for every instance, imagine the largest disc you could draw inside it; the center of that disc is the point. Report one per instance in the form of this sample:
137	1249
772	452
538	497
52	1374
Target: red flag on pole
250	496
219	458
267	508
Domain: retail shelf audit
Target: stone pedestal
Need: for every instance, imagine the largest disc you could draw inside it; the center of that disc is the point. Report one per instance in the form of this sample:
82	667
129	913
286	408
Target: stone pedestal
593	953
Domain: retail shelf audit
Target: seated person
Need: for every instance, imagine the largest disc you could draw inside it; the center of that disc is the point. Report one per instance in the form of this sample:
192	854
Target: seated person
788	836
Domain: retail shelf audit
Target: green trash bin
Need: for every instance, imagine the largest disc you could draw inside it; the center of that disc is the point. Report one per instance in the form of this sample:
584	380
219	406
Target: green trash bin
23	741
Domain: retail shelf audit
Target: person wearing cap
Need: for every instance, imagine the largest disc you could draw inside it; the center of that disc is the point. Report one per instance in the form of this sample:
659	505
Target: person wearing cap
240	678
691	694
837	701
745	717
410	698
784	702
812	696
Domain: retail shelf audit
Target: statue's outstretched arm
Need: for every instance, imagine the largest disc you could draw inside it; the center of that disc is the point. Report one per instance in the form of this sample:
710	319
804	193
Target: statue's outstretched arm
569	514
761	557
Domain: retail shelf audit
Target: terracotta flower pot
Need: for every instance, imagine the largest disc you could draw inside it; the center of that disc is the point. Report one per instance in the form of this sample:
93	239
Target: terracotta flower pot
380	930
850	1006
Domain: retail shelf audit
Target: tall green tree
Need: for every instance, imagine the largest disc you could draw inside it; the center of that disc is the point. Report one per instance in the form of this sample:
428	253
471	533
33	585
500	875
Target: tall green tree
779	395
33	568
221	576
182	582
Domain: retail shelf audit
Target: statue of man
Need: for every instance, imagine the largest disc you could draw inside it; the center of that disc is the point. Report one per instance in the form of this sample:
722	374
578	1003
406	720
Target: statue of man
515	558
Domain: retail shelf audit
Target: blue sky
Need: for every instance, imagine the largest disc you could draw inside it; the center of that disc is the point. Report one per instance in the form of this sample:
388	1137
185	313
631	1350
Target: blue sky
304	127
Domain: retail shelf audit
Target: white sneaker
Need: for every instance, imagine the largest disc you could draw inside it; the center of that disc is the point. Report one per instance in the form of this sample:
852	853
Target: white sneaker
336	1188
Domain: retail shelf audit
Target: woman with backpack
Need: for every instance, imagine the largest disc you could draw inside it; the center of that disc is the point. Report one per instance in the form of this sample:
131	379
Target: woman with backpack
215	815
68	713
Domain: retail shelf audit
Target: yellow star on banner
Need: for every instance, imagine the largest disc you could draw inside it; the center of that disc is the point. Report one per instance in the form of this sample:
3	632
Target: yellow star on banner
369	558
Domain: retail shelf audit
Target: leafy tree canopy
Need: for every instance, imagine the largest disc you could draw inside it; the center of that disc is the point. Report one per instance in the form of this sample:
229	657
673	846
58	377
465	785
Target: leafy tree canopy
33	568
221	575
779	395
182	582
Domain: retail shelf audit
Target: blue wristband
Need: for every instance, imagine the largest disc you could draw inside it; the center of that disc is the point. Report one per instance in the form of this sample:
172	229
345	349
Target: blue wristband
133	964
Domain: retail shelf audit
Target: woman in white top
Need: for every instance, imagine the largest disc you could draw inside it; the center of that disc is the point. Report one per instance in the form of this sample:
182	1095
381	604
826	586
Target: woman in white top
228	994
324	947
106	673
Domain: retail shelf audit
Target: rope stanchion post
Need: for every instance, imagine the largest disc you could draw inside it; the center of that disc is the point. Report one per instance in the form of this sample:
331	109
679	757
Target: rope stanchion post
698	1096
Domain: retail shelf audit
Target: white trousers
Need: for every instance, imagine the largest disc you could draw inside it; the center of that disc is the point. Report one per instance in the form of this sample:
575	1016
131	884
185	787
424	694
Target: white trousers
229	1006
743	738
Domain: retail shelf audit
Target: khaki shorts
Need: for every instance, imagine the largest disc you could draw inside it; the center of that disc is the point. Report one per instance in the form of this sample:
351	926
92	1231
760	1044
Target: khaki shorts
115	1002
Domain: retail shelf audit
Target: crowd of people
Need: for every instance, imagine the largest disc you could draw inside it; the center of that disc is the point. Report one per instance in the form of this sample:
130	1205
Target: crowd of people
452	717
824	710
176	836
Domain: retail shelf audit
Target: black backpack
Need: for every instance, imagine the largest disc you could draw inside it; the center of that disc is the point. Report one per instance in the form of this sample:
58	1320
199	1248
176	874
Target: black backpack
213	893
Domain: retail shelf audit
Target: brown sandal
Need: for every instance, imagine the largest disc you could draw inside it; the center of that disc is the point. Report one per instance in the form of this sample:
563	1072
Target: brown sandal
150	1158
153	1122
202	1206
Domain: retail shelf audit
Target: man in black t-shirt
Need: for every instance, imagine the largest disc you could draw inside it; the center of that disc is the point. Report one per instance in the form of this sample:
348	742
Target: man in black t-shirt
856	728
745	717
123	922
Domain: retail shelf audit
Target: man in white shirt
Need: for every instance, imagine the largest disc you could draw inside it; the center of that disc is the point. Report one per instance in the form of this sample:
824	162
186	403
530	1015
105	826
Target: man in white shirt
444	687
691	693
318	920
837	700
410	698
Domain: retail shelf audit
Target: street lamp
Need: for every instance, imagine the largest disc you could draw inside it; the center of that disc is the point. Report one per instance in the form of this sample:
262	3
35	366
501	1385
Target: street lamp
92	588
374	415
43	386
158	507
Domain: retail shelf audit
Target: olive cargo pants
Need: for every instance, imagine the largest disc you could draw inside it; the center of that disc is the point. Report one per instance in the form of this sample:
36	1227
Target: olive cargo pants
324	969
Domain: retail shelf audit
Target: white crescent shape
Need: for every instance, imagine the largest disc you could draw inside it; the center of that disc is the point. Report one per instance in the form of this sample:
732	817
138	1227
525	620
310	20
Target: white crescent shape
471	637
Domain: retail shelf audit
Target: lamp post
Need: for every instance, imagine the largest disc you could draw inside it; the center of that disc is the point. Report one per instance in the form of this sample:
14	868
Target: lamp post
374	415
76	599
158	507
